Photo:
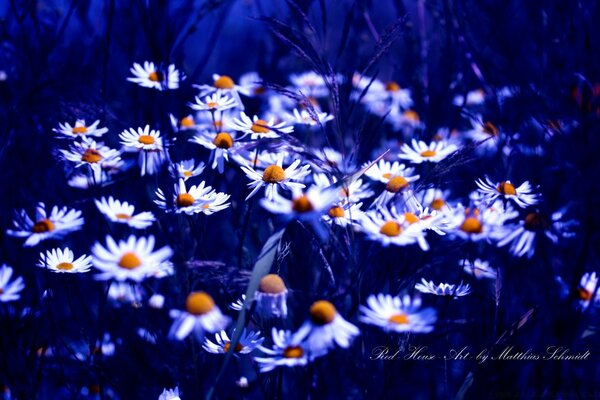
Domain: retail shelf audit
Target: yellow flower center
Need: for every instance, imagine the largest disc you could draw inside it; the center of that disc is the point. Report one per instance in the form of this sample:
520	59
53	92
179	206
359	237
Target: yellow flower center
199	303
392	86
584	294
428	153
396	184
302	204
212	104
65	266
272	284
411	218
156	76
91	156
336	212
184	200
387	175
273	174
130	260
411	115
437	204
224	82
146	139
260	126
390	229
187	174
293	352
187	122
400	319
44	225
79	130
471	225
123	216
223	140
238	347
490	129
506	188
322	312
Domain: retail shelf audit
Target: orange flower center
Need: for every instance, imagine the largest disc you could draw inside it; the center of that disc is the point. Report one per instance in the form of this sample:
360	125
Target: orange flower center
212	104
224	82
199	303
156	76
400	319
390	229
260	126
490	129
238	347
273	174
184	200
322	312
187	174
471	225
411	115
79	130
91	156
293	352
437	204
187	122
65	266
123	216
428	153
336	212
396	184
130	260
272	284
302	204
506	188
146	139
392	86
584	294
223	140
411	218
44	225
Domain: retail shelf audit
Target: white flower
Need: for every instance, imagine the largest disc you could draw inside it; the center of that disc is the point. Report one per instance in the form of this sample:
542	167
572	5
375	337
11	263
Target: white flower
522	195
186	169
221	145
259	128
88	152
238	304
170	394
249	340
225	84
201	315
384	171
125	293
123	213
308	206
184	124
421	152
305	117
388	227
586	290
215	102
283	352
155	77
196	199
274	175
63	261
134	259
443	289
398	314
56	225
142	139
271	297
310	83
473	98
350	192
344	214
479	224
479	269
9	291
80	129
323	330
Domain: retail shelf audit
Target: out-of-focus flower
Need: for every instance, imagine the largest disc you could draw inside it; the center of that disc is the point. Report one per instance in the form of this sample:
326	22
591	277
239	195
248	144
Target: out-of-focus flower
54	226
154	76
95	155
345	214
283	353
215	102
479	269
201	315
123	213
421	152
522	195
387	226
443	289
63	261
259	128
134	259
310	84
170	394
126	293
221	145
477	224
304	206
80	129
473	98
398	314
184	124
271	297
587	288
9	291
352	192
274	176
189	201
384	171
306	117
156	301
323	329
187	169
249	340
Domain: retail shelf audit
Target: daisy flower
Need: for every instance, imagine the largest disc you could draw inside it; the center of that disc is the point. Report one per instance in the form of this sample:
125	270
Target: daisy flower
220	145
443	289
155	77
479	269
134	259
249	340
215	102
477	224
88	152
9	291
271	296
80	129
259	128
434	199
125	293
123	213
186	169
305	206
323	329
238	304
55	225
421	152
142	139
184	124
331	160
274	175
398	314
344	214
388	227
352	192
214	202
485	133
226	84
522	195
586	290
283	353
305	117
384	171
189	201
170	394
310	83
63	261
201	315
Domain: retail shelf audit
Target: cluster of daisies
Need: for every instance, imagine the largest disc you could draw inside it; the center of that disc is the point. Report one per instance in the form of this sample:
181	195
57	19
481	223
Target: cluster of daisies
292	177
